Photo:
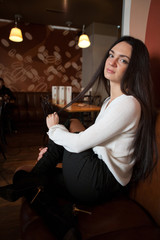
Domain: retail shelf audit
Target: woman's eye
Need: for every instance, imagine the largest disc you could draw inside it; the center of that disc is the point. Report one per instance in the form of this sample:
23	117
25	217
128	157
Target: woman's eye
110	55
123	61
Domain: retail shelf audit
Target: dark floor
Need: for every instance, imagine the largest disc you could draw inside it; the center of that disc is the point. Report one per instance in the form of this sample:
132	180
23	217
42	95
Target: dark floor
21	149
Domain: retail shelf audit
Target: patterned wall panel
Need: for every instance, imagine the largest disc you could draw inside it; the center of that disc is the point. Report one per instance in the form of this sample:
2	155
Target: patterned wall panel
46	57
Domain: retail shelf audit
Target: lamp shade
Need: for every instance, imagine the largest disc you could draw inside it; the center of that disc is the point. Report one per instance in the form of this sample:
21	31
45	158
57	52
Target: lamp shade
84	41
16	35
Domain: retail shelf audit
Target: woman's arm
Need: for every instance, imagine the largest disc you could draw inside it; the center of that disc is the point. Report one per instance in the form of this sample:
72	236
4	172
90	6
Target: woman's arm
120	116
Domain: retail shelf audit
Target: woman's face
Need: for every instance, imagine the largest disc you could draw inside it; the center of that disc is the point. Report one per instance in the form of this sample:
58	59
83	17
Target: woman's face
117	62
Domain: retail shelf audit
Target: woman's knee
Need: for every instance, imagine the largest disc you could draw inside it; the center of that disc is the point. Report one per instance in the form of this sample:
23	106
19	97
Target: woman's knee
76	126
27	168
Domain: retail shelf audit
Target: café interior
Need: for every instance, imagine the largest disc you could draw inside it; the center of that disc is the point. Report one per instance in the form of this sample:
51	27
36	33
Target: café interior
44	61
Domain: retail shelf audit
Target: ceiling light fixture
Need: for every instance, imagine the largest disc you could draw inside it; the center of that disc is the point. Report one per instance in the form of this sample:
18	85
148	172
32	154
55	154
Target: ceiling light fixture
84	41
16	33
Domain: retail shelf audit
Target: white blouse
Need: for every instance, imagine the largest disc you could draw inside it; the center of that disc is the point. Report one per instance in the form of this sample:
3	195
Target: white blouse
111	136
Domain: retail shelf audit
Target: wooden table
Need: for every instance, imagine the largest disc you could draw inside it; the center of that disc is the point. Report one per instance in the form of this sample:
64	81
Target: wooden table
81	108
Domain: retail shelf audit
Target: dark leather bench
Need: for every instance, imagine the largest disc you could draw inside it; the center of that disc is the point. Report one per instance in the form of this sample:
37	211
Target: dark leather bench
28	109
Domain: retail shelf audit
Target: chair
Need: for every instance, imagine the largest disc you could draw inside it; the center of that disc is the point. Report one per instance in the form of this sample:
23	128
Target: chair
47	108
92	100
2	132
2	151
89	117
46	105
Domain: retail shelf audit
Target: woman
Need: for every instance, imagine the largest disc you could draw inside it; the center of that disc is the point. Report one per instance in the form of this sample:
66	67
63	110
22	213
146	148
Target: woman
101	161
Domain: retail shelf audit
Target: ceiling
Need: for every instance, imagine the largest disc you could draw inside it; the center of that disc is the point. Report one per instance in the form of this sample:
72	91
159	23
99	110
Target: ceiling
60	12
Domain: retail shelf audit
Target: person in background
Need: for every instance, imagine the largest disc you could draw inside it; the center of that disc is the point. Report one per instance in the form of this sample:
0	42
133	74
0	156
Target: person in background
7	99
99	162
5	92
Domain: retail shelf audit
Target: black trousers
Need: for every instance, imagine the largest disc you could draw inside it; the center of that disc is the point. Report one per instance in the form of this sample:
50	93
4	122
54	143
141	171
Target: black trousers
84	177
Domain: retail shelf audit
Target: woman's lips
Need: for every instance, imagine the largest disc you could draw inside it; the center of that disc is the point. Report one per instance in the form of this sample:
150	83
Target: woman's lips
110	71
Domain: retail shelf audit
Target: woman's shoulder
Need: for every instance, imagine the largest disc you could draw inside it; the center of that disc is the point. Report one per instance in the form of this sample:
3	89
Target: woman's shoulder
123	100
130	99
130	103
123	97
125	103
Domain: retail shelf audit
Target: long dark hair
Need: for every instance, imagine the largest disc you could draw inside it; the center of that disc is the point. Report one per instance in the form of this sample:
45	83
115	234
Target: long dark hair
136	82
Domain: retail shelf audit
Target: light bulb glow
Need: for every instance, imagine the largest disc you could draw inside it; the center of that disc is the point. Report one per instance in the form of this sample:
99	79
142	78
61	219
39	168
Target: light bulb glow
16	35
84	41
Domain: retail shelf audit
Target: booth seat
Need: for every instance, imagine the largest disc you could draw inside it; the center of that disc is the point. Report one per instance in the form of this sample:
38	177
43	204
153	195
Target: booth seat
135	216
28	109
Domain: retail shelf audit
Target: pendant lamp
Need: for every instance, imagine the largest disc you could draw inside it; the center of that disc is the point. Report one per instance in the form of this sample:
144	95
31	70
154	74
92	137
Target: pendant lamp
16	33
84	41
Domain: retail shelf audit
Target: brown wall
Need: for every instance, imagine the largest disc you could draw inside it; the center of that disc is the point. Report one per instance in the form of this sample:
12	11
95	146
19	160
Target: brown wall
153	43
144	24
46	57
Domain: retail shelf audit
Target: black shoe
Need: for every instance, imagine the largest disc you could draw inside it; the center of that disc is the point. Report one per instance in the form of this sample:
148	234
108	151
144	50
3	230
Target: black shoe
23	179
9	193
12	194
24	184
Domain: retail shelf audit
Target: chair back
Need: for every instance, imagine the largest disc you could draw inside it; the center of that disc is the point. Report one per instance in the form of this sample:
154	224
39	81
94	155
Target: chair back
47	108
46	105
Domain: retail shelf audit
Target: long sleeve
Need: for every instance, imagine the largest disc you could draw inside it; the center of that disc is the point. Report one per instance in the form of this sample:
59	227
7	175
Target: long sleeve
120	116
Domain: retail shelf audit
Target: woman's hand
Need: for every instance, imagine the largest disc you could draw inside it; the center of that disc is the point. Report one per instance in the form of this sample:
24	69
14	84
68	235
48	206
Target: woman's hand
41	152
52	119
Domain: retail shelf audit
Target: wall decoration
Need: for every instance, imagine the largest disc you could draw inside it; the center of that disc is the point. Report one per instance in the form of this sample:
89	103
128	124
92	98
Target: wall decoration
46	57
